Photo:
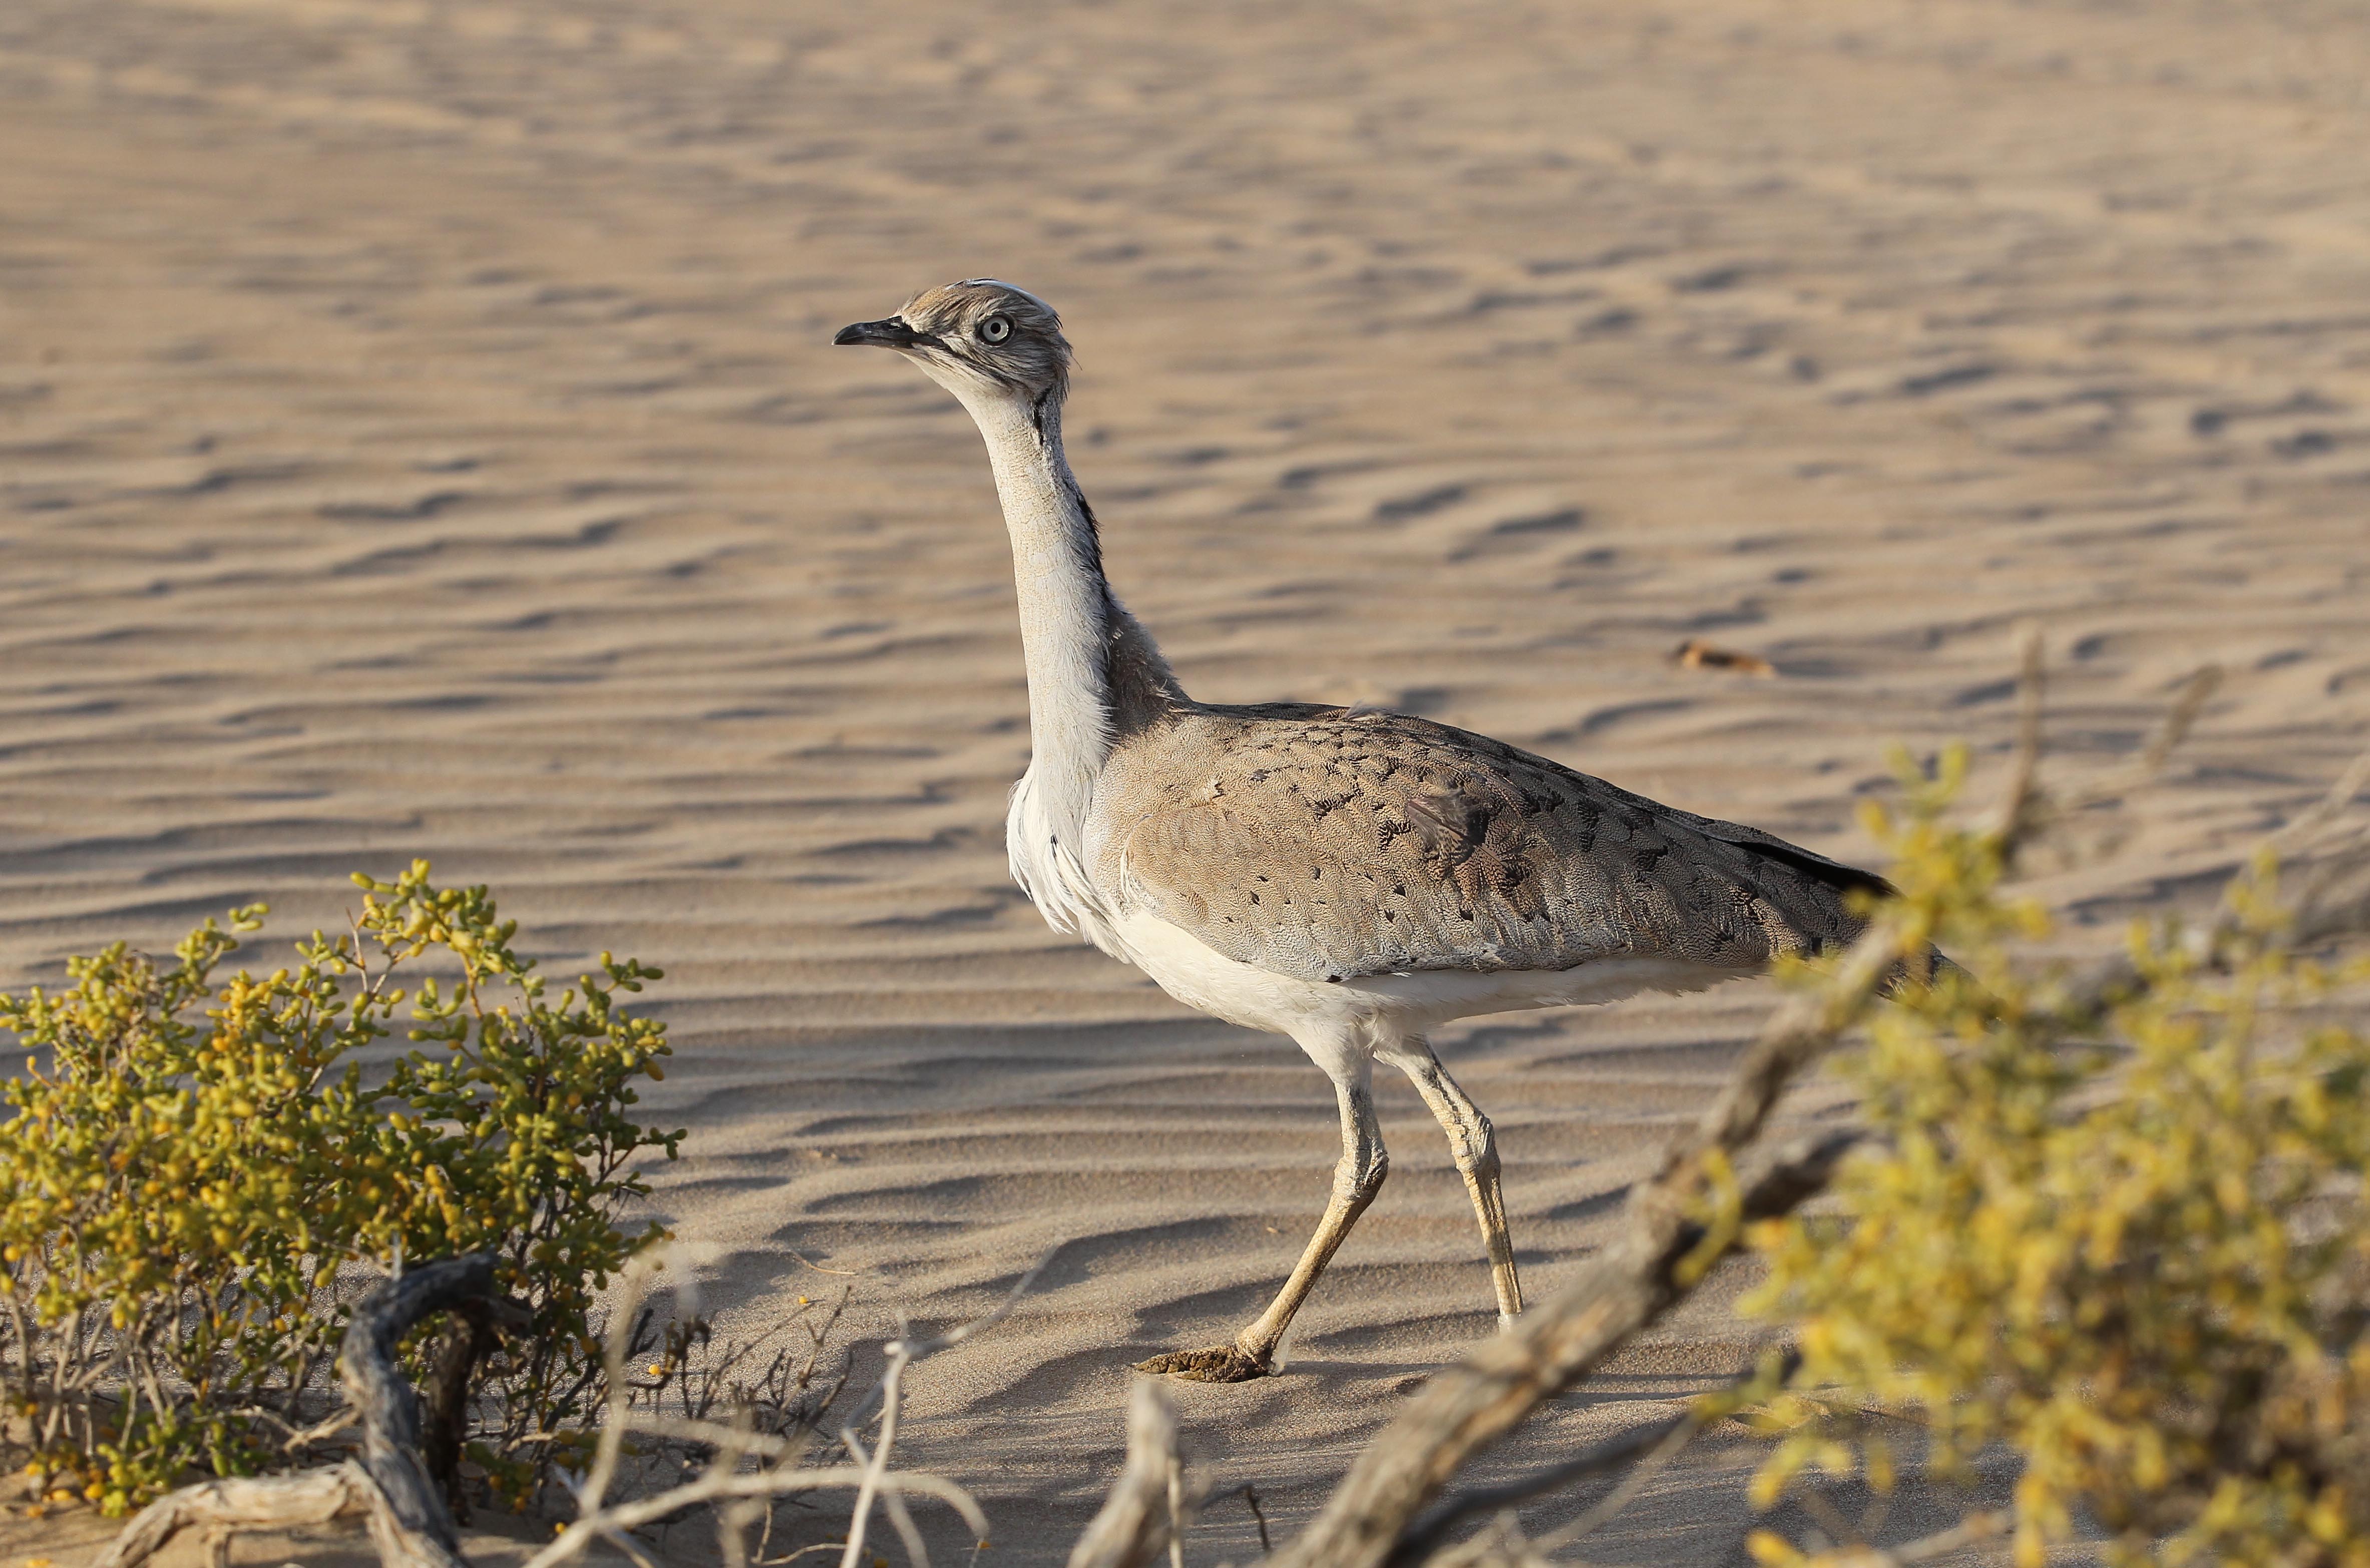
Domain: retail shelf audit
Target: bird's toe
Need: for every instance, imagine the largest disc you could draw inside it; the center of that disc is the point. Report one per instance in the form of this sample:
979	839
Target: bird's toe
1219	1364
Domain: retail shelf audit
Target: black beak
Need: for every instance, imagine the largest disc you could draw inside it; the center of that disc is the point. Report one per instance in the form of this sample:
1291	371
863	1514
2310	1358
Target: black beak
891	334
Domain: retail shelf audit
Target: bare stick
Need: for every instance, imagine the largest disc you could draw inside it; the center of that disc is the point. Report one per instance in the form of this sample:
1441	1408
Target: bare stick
2171	731
407	1520
1176	1510
410	1525
714	1434
2339	860
757	1483
595	1488
2020	802
2334	900
1652	1444
276	1502
953	1337
1611	1453
900	1356
1128	1528
870	1475
1680	1435
1257	1518
2330	806
902	1352
2196	692
917	1553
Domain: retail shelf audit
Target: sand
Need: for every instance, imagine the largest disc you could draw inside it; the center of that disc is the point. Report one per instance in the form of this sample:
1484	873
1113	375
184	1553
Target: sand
418	435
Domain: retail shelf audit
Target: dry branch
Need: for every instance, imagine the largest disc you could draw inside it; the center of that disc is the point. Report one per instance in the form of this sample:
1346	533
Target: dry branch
277	1503
1611	1453
1144	1508
2333	901
718	1483
408	1524
389	1484
723	1480
470	1340
1651	1445
902	1352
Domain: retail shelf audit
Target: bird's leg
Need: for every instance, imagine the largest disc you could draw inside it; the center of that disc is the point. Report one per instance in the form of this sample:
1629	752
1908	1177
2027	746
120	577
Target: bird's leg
1475	1148
1356	1179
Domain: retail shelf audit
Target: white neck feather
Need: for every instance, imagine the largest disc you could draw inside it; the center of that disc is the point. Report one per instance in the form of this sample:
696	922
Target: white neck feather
1065	610
1077	640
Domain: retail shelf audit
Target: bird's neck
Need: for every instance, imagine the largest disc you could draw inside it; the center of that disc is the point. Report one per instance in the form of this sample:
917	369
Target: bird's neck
1095	675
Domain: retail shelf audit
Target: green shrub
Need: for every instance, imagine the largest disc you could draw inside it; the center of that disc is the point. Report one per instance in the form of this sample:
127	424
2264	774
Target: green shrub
2130	1247
182	1182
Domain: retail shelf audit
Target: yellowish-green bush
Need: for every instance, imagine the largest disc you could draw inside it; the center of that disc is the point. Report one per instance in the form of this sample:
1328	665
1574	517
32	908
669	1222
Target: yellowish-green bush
2127	1242
184	1176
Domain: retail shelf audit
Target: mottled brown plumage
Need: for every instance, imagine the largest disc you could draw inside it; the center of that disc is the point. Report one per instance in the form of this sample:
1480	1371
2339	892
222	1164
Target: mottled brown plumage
1332	843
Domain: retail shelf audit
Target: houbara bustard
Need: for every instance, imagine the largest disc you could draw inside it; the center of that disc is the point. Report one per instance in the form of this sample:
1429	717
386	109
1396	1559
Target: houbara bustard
1346	877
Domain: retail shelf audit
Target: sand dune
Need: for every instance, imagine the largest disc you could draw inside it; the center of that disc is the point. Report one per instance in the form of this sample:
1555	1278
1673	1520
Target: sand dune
419	436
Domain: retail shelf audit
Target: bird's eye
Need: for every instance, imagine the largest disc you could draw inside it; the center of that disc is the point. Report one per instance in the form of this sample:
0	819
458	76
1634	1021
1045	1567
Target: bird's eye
995	330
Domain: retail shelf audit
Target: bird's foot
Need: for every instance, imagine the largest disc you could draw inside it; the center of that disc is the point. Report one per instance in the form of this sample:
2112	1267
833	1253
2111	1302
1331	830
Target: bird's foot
1219	1364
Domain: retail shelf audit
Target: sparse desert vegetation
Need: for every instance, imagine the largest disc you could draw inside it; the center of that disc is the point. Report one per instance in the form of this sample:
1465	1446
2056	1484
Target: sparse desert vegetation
420	436
197	1169
2105	1219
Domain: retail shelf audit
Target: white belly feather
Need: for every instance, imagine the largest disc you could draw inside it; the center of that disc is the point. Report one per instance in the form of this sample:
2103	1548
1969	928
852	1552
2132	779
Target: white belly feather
1200	976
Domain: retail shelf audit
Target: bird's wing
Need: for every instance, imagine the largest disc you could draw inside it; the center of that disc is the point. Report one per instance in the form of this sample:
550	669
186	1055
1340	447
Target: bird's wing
1332	844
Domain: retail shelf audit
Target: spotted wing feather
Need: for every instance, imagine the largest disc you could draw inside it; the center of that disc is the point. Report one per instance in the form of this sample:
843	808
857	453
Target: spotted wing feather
1326	844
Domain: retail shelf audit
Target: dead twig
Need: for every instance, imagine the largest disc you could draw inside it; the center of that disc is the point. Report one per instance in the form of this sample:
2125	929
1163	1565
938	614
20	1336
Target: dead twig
389	1484
716	1484
2064	807
2022	805
2333	901
1611	1453
1142	1508
2331	804
902	1352
1258	1518
723	1480
1651	1446
271	1503
1613	1501
612	1441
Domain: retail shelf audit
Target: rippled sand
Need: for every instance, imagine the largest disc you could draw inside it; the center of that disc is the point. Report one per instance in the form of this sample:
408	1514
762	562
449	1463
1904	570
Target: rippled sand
419	436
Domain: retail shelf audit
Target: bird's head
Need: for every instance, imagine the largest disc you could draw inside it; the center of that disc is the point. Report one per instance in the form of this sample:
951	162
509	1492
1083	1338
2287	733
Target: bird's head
985	341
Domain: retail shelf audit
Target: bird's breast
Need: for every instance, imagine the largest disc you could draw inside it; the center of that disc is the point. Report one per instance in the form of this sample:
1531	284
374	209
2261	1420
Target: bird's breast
1045	848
